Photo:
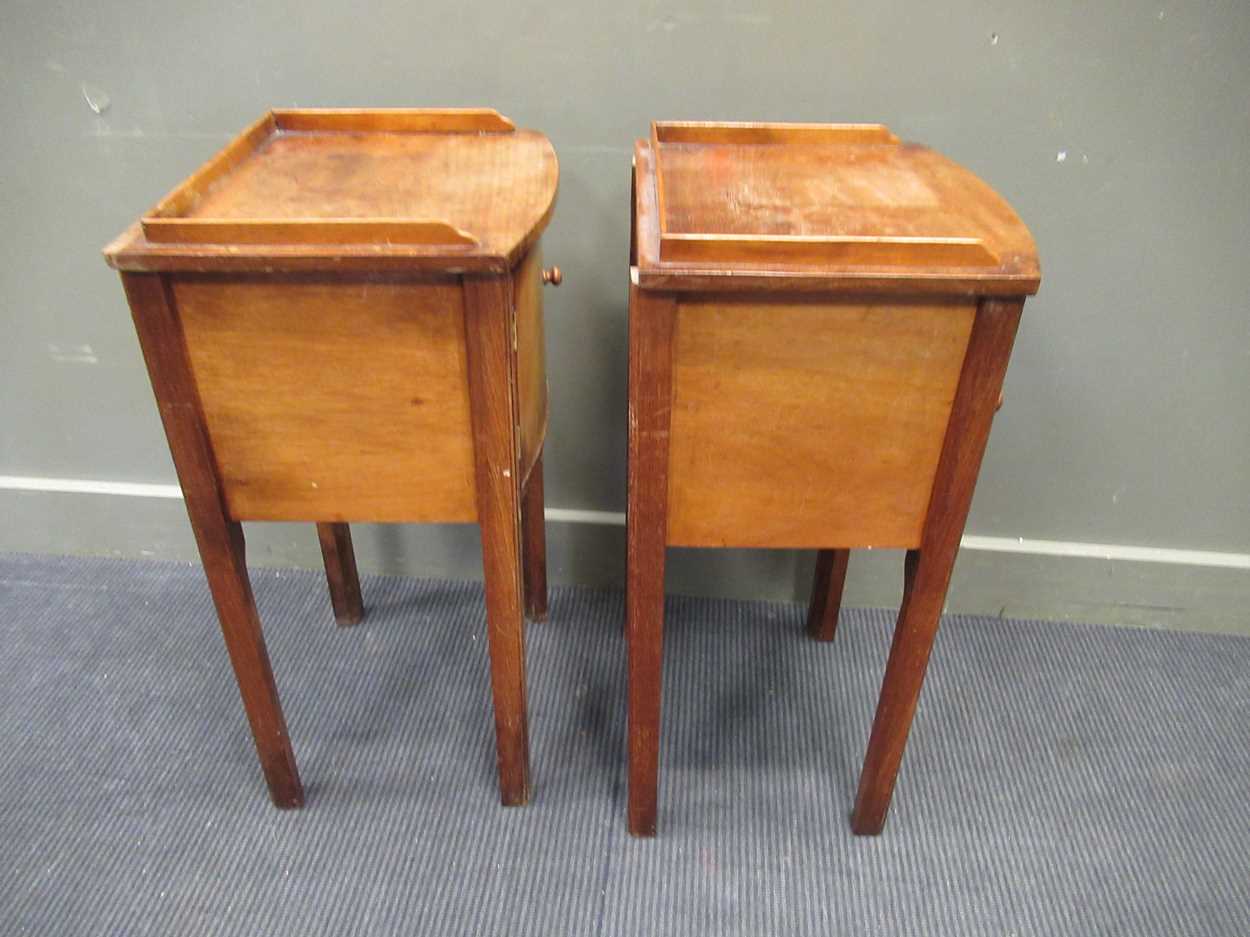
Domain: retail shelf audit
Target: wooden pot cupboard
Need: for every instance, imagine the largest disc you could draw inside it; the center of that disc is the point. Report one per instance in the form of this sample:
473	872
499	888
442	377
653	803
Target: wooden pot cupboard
341	316
820	319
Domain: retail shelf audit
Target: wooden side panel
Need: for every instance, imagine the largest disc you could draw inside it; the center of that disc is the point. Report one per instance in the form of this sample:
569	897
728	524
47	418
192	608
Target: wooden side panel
531	356
809	424
334	400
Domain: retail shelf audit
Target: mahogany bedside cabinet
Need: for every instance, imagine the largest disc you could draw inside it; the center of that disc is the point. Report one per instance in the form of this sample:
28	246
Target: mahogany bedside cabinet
820	318
341	318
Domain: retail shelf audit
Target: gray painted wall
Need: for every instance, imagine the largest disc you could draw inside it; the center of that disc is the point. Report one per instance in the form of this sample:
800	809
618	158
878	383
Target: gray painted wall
1118	130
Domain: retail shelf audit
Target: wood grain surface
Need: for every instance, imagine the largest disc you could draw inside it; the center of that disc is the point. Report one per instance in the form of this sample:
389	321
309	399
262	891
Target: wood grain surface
458	190
862	217
652	319
809	424
826	601
534	543
794	134
531	356
332	400
341	575
490	338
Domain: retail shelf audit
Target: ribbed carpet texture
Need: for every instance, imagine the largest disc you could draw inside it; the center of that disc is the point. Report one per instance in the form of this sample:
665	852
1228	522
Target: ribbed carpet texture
1061	779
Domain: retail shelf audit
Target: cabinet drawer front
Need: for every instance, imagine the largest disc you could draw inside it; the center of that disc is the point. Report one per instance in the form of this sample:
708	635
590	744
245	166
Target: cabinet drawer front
809	424
343	400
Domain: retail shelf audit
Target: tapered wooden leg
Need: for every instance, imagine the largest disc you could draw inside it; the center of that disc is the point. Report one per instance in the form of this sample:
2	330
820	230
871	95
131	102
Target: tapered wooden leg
225	566
491	360
219	538
928	569
340	563
651	322
534	544
822	613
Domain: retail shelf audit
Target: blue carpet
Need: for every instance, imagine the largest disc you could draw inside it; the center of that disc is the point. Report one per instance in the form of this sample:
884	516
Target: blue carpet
1061	779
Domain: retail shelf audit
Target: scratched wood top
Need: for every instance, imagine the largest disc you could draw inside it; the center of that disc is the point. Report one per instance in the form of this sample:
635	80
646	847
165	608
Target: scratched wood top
819	206
391	189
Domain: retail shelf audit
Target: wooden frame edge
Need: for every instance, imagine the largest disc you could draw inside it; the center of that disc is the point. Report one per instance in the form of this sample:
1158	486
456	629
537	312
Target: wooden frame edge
393	120
216	166
320	231
850	251
747	132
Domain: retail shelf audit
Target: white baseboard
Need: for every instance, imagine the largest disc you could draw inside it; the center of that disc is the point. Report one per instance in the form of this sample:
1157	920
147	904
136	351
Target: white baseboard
1022	545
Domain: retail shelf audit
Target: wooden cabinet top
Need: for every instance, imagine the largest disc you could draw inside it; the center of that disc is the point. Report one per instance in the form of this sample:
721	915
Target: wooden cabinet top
822	207
439	190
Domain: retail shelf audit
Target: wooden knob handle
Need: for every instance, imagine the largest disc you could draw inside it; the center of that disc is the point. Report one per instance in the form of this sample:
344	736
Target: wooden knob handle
553	276
998	406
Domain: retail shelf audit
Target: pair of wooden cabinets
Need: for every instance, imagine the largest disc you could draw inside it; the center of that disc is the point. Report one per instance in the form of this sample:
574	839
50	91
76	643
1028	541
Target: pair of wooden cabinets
341	315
